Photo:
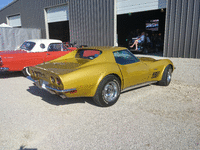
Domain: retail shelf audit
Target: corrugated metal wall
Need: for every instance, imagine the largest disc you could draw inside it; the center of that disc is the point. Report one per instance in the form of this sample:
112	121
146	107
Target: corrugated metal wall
31	11
162	4
182	29
92	22
11	38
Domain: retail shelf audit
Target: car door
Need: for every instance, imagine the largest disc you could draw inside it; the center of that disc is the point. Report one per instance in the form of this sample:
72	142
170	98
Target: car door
54	51
133	70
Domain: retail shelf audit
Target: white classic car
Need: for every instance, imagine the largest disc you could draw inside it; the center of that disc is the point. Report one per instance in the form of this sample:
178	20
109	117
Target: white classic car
41	45
31	53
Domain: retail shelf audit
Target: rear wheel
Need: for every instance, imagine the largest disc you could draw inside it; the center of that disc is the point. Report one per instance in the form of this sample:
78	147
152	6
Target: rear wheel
167	75
26	72
108	91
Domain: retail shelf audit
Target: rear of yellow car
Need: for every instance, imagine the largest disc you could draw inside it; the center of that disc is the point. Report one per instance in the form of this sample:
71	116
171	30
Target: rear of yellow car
73	77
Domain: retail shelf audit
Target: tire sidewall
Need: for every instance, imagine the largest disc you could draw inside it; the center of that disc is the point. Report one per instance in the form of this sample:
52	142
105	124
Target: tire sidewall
99	93
164	81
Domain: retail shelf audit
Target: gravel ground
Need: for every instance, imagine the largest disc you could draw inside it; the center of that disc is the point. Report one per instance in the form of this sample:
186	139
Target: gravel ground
151	117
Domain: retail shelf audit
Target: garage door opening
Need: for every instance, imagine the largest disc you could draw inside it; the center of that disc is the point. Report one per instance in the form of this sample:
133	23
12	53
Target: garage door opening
59	30
58	23
128	24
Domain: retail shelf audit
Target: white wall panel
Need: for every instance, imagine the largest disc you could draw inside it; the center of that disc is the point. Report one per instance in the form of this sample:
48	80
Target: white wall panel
131	6
57	14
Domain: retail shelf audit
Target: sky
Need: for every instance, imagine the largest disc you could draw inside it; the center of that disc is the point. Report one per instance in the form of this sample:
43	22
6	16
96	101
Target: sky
4	3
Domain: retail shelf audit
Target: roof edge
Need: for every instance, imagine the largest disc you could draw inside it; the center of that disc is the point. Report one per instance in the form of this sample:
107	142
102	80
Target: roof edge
8	5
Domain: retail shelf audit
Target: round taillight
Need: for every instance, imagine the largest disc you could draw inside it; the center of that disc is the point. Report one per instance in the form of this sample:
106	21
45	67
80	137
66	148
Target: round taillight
52	80
58	81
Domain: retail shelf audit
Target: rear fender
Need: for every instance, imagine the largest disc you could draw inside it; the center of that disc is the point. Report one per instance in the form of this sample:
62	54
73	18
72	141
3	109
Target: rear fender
117	74
86	80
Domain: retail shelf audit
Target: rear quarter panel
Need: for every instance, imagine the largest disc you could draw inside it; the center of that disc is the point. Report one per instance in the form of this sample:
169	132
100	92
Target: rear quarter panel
86	80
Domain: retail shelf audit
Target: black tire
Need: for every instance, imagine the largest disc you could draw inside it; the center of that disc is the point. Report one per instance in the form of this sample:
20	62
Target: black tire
26	72
111	85
167	75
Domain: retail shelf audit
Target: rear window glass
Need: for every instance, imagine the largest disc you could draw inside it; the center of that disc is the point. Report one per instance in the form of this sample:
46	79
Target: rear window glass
27	46
88	54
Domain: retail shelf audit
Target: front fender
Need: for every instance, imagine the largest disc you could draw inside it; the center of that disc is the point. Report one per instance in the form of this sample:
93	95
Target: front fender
164	63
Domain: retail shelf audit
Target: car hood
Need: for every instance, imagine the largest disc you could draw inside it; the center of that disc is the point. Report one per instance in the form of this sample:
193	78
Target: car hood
12	52
63	66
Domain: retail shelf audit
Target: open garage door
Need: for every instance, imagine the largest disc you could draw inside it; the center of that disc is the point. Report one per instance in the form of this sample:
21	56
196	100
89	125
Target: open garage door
135	17
58	22
151	22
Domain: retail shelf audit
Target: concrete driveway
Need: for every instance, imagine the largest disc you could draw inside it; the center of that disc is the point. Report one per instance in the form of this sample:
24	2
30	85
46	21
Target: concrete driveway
151	117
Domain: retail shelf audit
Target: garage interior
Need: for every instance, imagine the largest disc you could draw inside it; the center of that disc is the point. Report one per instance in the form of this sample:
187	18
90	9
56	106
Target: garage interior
133	21
59	30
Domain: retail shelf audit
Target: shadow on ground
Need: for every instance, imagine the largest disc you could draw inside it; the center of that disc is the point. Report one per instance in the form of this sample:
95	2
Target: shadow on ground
4	75
57	100
23	148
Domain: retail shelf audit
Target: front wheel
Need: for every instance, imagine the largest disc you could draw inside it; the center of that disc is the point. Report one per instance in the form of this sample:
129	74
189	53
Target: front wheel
167	75
108	91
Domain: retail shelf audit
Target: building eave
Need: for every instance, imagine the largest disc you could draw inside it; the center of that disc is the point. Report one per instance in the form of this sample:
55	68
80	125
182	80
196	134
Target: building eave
8	5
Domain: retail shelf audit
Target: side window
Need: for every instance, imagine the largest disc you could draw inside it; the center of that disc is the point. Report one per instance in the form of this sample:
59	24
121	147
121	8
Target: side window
27	46
55	47
124	57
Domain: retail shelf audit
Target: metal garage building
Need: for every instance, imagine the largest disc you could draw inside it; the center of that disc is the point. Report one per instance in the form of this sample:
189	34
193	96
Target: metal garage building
94	22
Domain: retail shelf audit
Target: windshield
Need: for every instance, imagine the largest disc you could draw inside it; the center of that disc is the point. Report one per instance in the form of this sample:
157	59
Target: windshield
88	53
27	46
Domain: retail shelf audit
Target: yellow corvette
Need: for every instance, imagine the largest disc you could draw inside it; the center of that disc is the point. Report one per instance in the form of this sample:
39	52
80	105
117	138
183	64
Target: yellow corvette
101	73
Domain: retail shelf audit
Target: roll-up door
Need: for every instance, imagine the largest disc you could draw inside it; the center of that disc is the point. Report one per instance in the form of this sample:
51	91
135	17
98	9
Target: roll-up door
57	14
131	6
15	21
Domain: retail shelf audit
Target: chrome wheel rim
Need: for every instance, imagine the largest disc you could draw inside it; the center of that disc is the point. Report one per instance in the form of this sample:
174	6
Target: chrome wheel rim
110	91
169	75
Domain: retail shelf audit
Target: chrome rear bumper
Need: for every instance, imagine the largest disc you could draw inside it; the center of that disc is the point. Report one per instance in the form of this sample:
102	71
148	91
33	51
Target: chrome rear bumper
53	90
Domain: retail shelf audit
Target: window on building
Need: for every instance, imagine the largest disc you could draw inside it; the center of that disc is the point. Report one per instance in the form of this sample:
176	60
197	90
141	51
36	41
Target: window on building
14	21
